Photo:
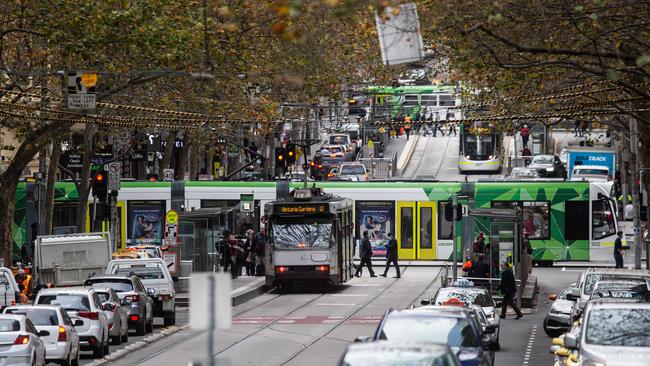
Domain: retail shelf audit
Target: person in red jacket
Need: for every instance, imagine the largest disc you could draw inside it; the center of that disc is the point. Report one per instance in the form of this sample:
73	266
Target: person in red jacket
524	132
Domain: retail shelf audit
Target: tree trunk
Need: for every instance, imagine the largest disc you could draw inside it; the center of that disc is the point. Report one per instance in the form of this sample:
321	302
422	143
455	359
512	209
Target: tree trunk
83	186
51	179
185	152
169	151
8	185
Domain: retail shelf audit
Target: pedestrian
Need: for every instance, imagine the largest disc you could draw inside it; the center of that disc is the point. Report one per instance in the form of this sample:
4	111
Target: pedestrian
618	250
391	255
436	125
260	246
526	154
249	253
481	271
576	129
508	288
479	244
407	126
24	282
224	250
233	248
365	253
452	127
524	132
529	252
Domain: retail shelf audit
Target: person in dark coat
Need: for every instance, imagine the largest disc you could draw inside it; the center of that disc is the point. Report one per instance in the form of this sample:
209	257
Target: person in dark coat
480	269
508	288
365	253
618	250
224	250
391	255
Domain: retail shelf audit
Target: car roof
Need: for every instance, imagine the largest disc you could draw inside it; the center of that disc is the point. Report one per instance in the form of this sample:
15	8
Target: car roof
623	271
111	276
66	290
18	317
468	288
379	346
36	306
138	260
616	303
432	311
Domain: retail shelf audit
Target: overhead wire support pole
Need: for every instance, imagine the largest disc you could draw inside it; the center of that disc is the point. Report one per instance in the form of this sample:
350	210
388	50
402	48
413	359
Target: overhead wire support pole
636	199
454	205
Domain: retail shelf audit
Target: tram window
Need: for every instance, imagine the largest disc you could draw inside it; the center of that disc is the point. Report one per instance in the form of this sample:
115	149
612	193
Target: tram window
428	99
576	220
406	232
426	223
445	228
602	219
447	100
302	235
64	215
536	219
410	100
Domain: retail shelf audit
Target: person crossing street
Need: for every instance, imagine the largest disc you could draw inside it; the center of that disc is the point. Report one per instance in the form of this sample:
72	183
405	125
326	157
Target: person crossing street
391	256
365	253
508	288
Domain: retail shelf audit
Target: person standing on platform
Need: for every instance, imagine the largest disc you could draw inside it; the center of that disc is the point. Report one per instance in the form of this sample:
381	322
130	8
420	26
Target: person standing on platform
365	253
618	250
391	255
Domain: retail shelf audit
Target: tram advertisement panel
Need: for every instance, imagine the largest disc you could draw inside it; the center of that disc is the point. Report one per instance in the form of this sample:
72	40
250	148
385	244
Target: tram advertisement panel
145	223
375	218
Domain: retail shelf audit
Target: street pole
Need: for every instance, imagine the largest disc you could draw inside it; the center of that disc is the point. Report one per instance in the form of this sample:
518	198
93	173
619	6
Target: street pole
211	320
636	200
114	221
454	205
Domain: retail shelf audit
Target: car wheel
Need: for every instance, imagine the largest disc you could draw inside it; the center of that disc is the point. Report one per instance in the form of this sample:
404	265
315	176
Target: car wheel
170	318
116	340
98	352
141	329
106	347
150	325
125	336
75	360
68	361
553	333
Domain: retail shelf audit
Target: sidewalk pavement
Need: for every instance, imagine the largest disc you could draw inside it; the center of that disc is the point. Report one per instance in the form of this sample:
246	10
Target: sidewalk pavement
244	288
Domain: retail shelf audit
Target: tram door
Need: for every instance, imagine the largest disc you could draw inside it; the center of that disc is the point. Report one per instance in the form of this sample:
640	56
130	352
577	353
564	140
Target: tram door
405	234
426	225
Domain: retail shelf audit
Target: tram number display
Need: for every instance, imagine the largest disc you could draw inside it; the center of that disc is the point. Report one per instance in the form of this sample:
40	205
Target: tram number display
301	209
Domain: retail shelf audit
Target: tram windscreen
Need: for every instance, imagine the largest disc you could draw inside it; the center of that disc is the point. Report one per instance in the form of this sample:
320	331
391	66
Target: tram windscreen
479	147
302	235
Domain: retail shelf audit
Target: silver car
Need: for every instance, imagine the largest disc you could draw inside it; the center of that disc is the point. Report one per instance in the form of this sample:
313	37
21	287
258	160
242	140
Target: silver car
62	344
614	333
118	324
20	343
558	319
390	353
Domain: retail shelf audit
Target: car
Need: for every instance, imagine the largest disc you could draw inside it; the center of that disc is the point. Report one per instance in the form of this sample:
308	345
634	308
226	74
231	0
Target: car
62	342
558	319
21	342
589	279
355	171
155	276
133	295
562	355
548	166
331	156
622	288
613	333
456	328
591	173
464	292
521	173
489	337
343	139
389	353
118	326
154	251
86	312
9	291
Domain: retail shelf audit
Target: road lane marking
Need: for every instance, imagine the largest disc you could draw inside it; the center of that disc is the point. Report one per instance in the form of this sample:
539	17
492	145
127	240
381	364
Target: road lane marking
529	346
348	295
335	304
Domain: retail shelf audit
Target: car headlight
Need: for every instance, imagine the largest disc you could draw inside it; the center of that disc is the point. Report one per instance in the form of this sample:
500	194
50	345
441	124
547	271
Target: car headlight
587	362
549	169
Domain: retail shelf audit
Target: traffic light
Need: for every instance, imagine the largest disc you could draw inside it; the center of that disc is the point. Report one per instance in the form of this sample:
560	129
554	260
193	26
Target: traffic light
279	157
291	153
100	186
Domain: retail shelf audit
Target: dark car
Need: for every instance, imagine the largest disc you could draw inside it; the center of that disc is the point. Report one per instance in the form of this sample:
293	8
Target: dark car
458	329
387	353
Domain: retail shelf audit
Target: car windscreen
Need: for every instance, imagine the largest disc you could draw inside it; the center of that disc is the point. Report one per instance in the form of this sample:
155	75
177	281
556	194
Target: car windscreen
302	235
9	325
452	331
352	169
592	279
542	160
591	171
397	356
468	296
103	296
117	285
75	302
619	327
37	316
524	173
142	272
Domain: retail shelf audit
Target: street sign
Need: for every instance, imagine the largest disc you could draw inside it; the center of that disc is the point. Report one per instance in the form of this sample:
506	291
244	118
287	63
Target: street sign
168	175
171	228
81	90
171	217
114	175
210	294
246	202
121	141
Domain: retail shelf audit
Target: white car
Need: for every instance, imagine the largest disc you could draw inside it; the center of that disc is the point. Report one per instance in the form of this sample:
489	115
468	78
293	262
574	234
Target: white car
155	276
118	323
591	173
355	171
62	344
20	343
86	312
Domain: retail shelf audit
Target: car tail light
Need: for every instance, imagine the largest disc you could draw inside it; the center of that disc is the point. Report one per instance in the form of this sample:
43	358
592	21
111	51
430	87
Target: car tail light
92	315
281	269
63	336
22	339
323	268
92	341
132	298
134	318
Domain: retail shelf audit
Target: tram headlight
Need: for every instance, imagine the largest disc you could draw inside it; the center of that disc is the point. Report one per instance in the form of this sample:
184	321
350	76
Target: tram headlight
467	157
490	157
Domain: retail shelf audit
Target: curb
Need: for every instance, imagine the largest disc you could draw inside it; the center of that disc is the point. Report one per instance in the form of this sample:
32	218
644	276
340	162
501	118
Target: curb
239	295
405	158
138	345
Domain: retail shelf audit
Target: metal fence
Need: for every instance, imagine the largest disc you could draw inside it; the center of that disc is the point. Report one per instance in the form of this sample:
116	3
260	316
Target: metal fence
380	168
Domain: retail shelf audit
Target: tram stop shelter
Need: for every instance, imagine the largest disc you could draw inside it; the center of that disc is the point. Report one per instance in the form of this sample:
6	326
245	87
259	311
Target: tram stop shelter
200	232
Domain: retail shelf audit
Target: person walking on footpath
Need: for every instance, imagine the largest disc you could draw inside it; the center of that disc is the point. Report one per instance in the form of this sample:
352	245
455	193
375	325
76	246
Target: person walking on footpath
365	253
508	288
391	256
436	125
618	250
524	132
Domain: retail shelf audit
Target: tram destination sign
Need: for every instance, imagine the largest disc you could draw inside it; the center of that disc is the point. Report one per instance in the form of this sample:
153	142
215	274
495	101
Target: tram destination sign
302	209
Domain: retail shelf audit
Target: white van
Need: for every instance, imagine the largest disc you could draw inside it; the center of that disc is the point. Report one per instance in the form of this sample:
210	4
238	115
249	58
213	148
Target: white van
9	292
591	173
155	276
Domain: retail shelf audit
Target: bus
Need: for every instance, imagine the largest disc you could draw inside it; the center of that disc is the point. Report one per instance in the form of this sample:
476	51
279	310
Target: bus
310	239
479	148
565	220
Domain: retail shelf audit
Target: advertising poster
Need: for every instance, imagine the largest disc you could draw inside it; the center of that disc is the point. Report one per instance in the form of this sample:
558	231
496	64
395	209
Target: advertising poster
146	225
377	222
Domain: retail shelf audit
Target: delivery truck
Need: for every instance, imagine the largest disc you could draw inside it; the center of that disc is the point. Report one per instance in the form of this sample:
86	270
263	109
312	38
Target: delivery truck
590	159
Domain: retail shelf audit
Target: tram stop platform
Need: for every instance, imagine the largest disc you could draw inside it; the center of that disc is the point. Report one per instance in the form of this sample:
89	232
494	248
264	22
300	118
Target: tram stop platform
244	288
